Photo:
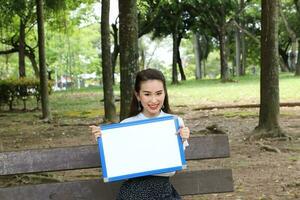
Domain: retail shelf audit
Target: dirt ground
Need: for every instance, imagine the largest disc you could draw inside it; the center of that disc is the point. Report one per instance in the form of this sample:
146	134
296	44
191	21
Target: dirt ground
258	173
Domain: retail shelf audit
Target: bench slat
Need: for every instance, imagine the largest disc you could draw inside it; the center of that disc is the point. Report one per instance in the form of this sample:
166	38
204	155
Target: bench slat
83	157
203	181
187	183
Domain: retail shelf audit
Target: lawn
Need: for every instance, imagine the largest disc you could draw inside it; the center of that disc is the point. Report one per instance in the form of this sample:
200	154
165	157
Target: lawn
244	90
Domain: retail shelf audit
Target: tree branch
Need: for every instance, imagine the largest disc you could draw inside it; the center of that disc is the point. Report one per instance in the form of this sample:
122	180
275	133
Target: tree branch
5	52
247	32
291	33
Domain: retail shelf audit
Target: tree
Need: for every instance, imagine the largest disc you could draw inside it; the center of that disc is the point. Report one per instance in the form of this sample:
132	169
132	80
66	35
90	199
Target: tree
297	72
216	16
269	84
239	44
293	40
197	49
42	62
172	22
18	22
242	45
128	52
22	71
109	102
165	18
10	11
116	50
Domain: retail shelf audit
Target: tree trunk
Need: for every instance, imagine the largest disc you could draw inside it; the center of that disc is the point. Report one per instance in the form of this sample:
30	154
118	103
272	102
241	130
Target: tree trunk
244	55
42	62
22	72
109	100
283	60
223	56
269	84
6	63
297	72
243	44
128	52
142	54
238	52
293	55
183	78
204	68
174	62
31	55
116	50
197	50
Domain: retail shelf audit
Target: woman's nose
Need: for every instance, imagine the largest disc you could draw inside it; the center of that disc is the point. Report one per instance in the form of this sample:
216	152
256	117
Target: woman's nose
153	99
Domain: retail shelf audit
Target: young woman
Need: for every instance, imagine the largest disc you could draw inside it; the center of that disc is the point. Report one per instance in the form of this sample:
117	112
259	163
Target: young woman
150	99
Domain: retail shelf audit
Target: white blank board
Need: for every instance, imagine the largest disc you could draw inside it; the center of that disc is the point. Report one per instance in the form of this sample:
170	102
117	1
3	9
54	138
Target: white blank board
140	148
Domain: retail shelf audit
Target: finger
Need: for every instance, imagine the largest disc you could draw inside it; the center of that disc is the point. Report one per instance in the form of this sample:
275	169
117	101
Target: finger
185	132
97	136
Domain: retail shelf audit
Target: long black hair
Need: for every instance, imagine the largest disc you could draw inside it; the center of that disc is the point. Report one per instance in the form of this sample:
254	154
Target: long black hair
145	75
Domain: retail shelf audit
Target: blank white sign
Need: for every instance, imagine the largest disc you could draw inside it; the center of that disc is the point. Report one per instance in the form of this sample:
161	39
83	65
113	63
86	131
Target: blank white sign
140	148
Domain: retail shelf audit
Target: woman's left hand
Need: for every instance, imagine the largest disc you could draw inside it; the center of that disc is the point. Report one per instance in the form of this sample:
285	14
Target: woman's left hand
184	133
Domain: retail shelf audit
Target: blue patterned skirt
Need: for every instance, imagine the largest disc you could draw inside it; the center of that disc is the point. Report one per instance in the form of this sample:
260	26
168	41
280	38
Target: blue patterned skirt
148	188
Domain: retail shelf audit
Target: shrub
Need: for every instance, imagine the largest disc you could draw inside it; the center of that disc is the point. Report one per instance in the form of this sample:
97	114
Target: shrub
12	90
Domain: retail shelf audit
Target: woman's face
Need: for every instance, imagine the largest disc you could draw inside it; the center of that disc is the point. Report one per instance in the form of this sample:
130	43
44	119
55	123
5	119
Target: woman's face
151	96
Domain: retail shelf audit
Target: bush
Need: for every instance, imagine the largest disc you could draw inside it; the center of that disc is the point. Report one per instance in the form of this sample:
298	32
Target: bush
20	89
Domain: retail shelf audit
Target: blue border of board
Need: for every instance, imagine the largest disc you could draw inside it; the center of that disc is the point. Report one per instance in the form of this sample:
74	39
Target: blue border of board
145	121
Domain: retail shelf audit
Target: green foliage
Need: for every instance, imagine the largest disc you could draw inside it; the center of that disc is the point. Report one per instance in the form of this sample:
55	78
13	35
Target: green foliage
74	53
73	39
292	16
13	89
68	49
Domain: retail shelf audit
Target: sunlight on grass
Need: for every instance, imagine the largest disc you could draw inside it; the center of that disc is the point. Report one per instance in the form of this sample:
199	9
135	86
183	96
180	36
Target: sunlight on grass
243	90
87	102
205	92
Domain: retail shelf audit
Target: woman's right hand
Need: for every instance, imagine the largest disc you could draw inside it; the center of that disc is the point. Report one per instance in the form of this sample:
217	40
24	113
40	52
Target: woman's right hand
96	131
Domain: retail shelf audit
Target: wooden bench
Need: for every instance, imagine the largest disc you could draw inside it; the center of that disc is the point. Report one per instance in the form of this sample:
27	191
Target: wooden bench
83	157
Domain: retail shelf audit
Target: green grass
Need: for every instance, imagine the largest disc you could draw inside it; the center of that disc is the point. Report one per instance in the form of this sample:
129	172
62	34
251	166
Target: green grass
77	103
86	102
242	114
242	90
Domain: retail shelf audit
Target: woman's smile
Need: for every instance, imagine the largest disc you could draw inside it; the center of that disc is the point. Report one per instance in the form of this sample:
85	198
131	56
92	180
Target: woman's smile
153	107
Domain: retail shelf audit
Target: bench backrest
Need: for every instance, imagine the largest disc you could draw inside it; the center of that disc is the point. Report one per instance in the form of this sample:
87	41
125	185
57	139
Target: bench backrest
84	157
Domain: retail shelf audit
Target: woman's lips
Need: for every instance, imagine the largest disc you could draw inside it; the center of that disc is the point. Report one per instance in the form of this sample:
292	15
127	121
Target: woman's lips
153	107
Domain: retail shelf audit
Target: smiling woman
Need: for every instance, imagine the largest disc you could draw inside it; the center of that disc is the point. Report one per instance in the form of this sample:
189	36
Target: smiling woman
149	100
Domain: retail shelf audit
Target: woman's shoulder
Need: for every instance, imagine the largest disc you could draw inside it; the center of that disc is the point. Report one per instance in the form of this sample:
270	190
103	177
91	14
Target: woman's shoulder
180	120
129	119
133	118
140	116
